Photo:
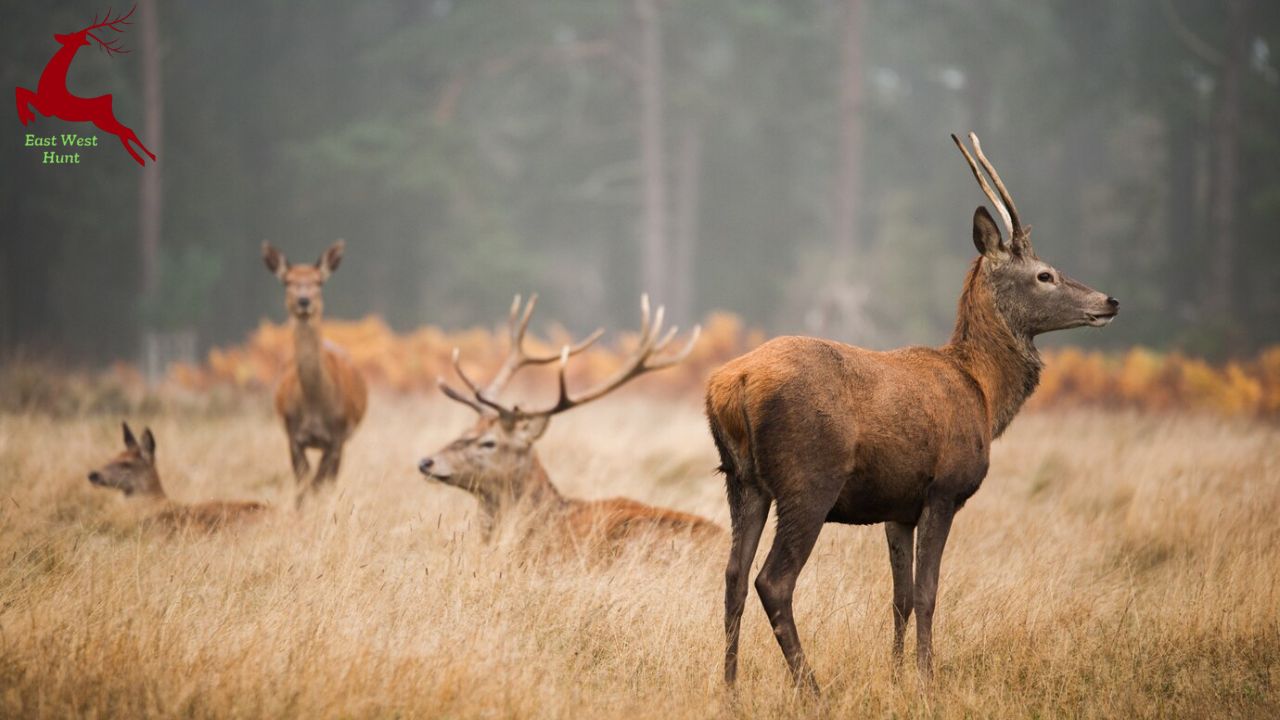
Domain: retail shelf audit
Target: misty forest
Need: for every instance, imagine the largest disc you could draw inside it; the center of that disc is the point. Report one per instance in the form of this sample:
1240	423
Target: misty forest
789	162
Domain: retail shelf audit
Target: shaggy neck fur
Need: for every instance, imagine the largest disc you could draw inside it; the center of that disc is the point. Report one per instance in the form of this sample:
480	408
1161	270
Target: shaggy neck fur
1005	364
317	386
532	487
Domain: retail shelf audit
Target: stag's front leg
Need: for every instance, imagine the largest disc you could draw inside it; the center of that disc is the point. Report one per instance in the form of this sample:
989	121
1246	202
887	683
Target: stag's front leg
934	525
902	539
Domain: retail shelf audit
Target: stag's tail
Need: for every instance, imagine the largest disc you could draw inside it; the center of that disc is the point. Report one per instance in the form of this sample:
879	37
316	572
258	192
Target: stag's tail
731	426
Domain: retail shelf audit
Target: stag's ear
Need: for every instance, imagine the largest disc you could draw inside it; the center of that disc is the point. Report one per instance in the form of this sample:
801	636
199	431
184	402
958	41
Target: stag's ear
130	442
986	236
331	258
274	260
148	445
530	429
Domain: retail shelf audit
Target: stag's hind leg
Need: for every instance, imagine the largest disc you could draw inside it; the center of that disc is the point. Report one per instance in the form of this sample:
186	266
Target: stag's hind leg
800	521
748	511
330	461
901	538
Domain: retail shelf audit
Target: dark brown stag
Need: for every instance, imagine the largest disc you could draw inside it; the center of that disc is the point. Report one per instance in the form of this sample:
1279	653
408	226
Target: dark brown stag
834	433
495	459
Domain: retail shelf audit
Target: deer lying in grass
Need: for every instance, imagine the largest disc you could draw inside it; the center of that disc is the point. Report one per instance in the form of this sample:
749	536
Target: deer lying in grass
495	459
133	472
834	433
322	396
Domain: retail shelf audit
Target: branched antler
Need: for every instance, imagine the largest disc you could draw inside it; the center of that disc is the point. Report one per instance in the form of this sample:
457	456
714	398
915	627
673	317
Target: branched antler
111	47
653	341
517	325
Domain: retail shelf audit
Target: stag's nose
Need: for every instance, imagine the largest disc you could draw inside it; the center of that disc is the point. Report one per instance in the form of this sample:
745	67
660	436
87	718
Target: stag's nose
425	465
1114	303
304	302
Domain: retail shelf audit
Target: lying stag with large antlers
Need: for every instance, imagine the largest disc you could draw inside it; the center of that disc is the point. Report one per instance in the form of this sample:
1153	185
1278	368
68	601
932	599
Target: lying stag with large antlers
495	459
833	433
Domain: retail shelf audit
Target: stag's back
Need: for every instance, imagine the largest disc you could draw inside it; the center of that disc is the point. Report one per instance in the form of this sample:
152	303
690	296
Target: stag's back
623	520
798	408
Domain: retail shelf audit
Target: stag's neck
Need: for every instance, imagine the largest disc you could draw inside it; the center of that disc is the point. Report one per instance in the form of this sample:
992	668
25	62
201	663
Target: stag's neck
1004	364
532	489
308	354
55	72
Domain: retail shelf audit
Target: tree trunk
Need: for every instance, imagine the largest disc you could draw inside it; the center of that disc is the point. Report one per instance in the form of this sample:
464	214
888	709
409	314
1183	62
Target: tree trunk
1226	165
846	238
687	208
652	150
155	345
150	201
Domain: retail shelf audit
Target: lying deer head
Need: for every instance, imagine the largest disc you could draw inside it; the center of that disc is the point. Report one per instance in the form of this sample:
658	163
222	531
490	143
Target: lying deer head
303	283
495	459
134	470
1032	296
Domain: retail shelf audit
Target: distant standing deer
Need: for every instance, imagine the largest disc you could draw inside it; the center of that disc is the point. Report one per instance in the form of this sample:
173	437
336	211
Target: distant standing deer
495	460
834	433
52	98
322	396
133	472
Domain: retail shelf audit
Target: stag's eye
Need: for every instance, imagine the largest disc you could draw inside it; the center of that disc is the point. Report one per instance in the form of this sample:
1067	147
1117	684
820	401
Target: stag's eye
1045	277
488	444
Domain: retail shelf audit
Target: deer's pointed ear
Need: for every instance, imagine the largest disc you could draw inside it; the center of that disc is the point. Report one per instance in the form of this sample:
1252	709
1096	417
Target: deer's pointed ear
148	445
331	258
274	260
130	442
532	428
986	236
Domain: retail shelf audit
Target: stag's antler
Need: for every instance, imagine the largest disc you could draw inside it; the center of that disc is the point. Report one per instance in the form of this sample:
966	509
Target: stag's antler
517	356
1004	203
111	46
517	325
652	342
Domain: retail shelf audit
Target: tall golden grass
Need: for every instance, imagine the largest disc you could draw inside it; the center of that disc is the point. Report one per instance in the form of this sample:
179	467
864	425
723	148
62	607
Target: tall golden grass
1139	378
1114	564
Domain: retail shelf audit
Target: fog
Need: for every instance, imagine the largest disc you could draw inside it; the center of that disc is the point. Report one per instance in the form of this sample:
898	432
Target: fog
787	161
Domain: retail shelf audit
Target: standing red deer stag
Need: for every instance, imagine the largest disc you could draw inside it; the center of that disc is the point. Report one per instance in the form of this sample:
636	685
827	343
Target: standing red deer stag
495	459
52	98
834	433
322	396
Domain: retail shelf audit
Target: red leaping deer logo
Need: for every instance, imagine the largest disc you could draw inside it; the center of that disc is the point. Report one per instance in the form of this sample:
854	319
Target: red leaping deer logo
53	99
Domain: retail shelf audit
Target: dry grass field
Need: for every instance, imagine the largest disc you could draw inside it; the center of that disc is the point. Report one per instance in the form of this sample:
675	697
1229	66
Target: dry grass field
1114	564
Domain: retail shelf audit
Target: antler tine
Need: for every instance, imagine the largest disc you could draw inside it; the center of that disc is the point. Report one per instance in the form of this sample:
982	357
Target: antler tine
678	357
107	22
995	176
651	341
111	46
517	357
459	397
666	339
986	188
480	395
